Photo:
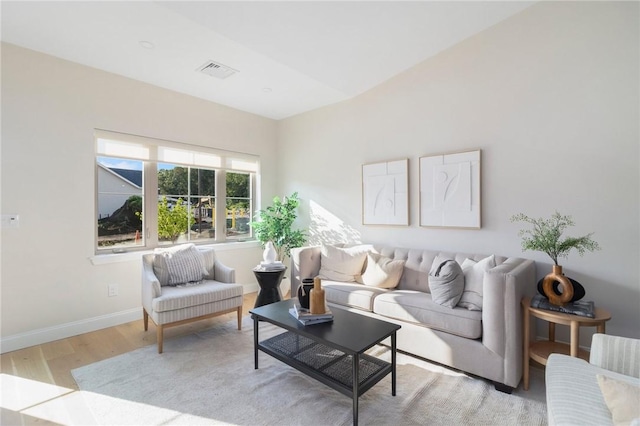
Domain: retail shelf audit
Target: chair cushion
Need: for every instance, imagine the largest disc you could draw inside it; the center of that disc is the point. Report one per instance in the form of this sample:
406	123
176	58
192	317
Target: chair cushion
178	265
418	308
207	291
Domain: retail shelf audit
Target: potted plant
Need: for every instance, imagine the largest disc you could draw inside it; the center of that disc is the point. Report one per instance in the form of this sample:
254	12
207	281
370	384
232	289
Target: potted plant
546	236
274	224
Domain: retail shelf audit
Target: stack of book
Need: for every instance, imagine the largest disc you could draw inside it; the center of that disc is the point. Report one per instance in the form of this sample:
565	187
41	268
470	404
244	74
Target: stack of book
307	318
270	266
580	307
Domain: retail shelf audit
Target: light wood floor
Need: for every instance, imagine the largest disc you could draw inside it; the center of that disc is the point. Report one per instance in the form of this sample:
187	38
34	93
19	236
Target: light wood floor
52	362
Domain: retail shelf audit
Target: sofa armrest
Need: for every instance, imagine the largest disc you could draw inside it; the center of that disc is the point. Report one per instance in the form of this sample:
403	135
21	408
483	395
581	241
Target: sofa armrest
615	353
503	289
150	283
305	263
224	273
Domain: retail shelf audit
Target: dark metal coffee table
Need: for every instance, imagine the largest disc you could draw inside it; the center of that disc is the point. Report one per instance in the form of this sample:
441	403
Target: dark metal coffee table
332	353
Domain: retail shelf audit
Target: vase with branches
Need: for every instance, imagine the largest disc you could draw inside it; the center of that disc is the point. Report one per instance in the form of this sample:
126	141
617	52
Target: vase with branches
546	235
275	224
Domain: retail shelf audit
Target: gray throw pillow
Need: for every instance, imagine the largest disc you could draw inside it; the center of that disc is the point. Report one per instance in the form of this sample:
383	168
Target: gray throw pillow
179	265
446	283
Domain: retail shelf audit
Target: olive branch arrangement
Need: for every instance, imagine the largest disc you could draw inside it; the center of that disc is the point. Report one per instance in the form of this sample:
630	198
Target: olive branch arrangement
545	236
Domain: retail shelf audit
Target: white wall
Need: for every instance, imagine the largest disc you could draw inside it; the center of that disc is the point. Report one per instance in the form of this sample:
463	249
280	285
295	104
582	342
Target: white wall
551	96
50	108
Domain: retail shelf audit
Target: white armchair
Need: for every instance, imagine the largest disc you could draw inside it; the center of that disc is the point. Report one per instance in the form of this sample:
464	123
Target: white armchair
574	396
169	304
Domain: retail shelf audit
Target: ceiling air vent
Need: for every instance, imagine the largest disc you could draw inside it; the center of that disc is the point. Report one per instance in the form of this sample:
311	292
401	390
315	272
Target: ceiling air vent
217	70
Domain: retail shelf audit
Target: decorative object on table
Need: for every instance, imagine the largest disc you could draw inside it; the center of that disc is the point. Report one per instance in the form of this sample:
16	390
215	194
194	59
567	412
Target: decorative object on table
275	224
450	190
385	194
582	308
316	298
578	289
270	266
545	237
305	317
303	292
269	254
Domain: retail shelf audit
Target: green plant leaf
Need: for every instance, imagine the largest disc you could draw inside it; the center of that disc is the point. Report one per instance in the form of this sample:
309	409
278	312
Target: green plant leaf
545	236
275	223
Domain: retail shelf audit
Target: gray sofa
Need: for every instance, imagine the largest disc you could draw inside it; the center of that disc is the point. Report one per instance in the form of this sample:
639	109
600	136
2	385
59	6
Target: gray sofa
574	396
485	343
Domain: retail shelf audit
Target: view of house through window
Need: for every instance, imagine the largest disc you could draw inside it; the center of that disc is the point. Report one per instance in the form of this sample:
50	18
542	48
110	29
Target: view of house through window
147	203
120	202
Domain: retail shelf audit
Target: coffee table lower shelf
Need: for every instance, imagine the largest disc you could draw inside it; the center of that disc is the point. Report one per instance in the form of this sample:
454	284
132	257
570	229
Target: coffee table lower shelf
325	364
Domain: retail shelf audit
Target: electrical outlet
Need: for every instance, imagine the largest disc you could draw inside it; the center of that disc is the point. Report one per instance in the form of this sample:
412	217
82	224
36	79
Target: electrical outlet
113	290
10	221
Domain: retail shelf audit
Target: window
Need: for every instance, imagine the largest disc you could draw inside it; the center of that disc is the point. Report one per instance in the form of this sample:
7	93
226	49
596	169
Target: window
239	206
154	193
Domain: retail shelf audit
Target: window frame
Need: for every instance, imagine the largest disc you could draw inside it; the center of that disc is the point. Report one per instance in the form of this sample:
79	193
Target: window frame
151	152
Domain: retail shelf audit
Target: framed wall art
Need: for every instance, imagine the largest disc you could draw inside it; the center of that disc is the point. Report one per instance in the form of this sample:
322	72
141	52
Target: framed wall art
450	190
385	194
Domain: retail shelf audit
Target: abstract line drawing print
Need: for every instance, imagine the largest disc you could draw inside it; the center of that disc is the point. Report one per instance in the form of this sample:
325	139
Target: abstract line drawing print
450	190
384	192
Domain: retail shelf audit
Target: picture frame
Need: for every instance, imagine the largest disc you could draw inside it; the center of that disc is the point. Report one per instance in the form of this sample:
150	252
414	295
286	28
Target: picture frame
385	193
450	190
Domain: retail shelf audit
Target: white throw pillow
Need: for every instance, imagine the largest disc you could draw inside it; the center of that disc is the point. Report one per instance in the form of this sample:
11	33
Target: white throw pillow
621	399
342	264
381	271
474	281
180	264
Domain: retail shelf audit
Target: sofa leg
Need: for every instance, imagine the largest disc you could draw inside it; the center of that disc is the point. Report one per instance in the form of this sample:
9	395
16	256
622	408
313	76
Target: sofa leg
501	387
145	319
239	317
160	337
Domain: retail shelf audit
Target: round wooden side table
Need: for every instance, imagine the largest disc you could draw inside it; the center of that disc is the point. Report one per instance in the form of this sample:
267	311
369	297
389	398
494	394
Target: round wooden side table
540	351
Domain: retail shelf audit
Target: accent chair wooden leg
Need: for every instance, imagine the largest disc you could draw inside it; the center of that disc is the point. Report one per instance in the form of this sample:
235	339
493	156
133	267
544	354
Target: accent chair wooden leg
145	319
239	317
160	337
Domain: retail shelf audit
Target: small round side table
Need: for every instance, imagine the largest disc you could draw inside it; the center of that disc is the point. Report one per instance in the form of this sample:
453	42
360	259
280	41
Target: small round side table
540	351
269	282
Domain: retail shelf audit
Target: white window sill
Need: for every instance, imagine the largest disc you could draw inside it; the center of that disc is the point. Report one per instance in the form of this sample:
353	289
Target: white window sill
135	256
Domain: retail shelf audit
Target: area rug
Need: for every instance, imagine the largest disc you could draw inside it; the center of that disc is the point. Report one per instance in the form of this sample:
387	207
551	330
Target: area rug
209	378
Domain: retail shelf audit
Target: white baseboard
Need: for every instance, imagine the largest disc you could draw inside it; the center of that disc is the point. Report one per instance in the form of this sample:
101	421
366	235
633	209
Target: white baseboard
62	331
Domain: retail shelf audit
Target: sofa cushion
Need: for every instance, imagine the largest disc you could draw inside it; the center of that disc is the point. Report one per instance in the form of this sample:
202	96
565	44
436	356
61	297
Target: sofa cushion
446	283
417	307
342	264
351	294
381	271
178	265
474	282
622	399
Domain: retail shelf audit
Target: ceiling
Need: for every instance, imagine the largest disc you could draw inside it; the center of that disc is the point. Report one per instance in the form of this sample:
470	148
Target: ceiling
291	56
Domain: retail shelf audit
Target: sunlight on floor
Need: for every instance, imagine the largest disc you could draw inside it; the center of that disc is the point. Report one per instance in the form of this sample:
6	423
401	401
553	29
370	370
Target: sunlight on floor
41	401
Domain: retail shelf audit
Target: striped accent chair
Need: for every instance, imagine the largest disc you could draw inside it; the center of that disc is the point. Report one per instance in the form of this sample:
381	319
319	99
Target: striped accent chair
574	396
169	303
